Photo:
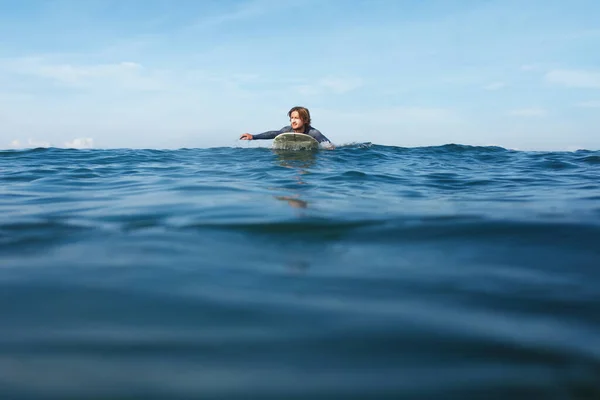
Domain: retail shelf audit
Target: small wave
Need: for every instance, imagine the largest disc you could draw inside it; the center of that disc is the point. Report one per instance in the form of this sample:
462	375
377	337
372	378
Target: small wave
461	148
557	165
354	145
593	160
21	236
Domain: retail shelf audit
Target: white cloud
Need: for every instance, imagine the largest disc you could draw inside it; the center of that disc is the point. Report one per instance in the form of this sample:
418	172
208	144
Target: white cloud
80	143
133	77
77	75
126	74
589	104
495	86
529	112
36	143
575	78
68	73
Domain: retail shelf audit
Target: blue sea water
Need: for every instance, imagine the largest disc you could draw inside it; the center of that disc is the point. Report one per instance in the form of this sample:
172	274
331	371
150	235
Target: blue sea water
363	272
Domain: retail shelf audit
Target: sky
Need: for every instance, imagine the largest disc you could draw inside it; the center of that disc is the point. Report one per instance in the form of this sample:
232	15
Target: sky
170	74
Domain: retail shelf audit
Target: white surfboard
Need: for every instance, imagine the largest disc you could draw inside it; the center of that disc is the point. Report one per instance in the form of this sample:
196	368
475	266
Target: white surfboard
295	141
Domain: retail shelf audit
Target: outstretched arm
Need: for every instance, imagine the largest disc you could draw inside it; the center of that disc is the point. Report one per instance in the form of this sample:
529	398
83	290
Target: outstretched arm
265	135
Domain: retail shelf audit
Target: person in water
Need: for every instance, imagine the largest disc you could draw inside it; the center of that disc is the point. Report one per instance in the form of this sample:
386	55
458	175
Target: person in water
299	123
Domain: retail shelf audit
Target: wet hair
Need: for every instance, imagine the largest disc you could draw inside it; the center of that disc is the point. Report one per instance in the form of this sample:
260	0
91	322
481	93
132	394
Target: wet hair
302	112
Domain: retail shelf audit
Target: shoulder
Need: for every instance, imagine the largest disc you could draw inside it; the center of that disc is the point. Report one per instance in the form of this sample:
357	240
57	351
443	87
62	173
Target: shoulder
312	129
287	128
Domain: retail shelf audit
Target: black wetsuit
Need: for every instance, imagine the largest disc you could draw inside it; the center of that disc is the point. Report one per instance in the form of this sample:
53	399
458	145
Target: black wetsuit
309	130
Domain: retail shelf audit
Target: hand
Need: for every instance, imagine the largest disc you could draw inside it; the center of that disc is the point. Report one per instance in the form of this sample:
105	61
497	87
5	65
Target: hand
246	136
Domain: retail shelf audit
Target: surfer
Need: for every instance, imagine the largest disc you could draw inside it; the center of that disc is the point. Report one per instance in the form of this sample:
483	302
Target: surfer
299	123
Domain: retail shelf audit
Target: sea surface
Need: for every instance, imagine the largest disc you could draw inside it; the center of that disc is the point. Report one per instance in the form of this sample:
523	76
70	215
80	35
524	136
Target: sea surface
244	273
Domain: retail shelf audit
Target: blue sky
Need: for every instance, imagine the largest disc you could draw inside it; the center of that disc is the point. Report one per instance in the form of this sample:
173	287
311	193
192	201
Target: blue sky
171	74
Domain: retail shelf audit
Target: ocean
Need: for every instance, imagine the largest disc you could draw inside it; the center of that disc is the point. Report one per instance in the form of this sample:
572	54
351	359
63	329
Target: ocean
364	272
